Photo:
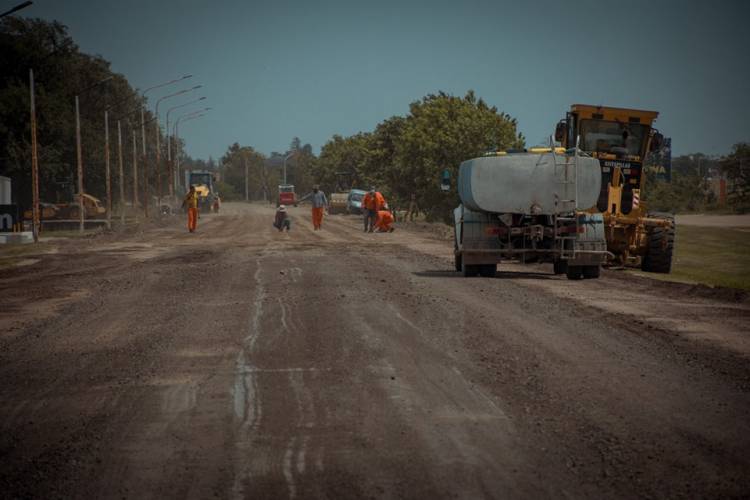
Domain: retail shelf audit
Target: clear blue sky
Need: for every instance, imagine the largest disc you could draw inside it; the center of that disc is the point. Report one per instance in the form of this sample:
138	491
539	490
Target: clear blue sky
278	69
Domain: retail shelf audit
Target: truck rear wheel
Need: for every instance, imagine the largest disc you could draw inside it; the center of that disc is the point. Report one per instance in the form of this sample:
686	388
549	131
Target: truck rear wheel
574	272
488	270
559	267
469	271
658	258
591	272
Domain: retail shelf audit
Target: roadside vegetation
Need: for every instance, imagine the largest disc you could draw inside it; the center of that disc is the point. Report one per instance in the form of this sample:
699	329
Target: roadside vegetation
62	71
713	255
693	184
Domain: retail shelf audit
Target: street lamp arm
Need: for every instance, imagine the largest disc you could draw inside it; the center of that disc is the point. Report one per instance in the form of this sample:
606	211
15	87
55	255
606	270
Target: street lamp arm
165	84
16	8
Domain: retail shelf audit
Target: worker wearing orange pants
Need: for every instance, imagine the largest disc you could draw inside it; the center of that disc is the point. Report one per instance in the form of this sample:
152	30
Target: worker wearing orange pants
384	222
191	202
317	217
319	202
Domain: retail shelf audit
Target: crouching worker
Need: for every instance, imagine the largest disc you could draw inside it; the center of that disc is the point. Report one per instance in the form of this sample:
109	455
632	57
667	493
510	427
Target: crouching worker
282	220
384	222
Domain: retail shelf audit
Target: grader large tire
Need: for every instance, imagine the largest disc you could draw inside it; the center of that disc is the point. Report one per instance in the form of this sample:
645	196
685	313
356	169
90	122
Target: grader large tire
658	258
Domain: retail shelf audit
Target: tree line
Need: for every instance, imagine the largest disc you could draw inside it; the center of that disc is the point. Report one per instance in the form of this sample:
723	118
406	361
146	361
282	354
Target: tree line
401	157
62	71
694	180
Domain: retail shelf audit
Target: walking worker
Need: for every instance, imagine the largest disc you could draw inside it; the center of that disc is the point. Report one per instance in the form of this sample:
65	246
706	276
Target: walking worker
371	203
282	220
385	221
191	202
319	203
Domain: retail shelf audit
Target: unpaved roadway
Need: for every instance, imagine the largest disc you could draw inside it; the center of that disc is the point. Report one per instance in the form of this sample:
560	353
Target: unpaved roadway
238	362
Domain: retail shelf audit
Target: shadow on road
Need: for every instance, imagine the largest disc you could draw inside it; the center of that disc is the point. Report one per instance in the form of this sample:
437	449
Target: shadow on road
442	273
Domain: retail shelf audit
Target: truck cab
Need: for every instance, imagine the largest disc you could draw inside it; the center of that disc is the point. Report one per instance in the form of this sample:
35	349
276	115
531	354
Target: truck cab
287	196
620	138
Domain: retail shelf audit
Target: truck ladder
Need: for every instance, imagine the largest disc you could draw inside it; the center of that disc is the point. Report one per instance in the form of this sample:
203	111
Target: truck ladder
566	170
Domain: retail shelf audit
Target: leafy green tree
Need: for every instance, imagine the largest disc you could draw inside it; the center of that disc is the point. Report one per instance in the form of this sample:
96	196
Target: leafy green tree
440	132
233	173
61	72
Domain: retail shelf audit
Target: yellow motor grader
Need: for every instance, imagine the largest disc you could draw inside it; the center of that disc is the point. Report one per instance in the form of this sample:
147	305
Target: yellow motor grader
620	139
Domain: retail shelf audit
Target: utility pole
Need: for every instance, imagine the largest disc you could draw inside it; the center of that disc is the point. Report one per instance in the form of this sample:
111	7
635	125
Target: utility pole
122	174
79	157
247	198
145	167
34	165
135	173
107	176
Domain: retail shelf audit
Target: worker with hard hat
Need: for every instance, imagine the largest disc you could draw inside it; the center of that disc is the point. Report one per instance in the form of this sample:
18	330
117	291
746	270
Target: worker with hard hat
191	203
371	204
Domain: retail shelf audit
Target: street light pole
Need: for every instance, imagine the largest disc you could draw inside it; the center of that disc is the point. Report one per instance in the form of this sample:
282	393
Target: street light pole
169	141
122	174
285	159
158	139
34	165
176	135
143	136
79	155
16	8
107	177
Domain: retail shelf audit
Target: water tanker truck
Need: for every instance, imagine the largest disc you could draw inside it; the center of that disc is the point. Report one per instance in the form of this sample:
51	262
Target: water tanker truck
529	206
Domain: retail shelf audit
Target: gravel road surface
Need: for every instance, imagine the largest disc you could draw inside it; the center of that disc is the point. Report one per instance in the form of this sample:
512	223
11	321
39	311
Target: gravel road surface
239	362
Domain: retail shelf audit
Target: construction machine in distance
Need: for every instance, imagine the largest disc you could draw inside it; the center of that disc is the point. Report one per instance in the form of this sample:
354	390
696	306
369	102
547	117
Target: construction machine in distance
93	209
620	139
204	186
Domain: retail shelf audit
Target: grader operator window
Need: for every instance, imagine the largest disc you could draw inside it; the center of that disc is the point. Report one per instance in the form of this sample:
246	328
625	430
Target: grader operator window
622	139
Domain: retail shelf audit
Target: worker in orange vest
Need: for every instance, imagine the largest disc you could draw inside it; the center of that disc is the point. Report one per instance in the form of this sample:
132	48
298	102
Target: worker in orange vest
372	203
385	221
191	202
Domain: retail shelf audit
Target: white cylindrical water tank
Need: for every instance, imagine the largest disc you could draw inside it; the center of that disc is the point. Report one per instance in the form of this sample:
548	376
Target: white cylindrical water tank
528	183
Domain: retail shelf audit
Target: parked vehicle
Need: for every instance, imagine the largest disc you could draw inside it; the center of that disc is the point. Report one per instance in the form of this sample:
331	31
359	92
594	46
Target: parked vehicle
354	201
287	196
338	203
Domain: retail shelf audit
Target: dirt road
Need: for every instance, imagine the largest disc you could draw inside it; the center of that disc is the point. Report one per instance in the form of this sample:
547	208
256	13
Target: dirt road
238	362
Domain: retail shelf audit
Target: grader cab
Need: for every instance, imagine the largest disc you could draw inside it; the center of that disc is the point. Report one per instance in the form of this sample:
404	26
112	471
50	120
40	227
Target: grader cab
620	139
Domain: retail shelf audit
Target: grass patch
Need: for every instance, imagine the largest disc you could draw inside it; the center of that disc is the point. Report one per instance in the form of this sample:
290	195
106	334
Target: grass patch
712	256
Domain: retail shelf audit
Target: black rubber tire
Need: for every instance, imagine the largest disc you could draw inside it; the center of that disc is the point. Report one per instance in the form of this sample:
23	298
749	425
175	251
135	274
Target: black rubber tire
469	271
560	267
488	270
591	272
658	258
574	272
